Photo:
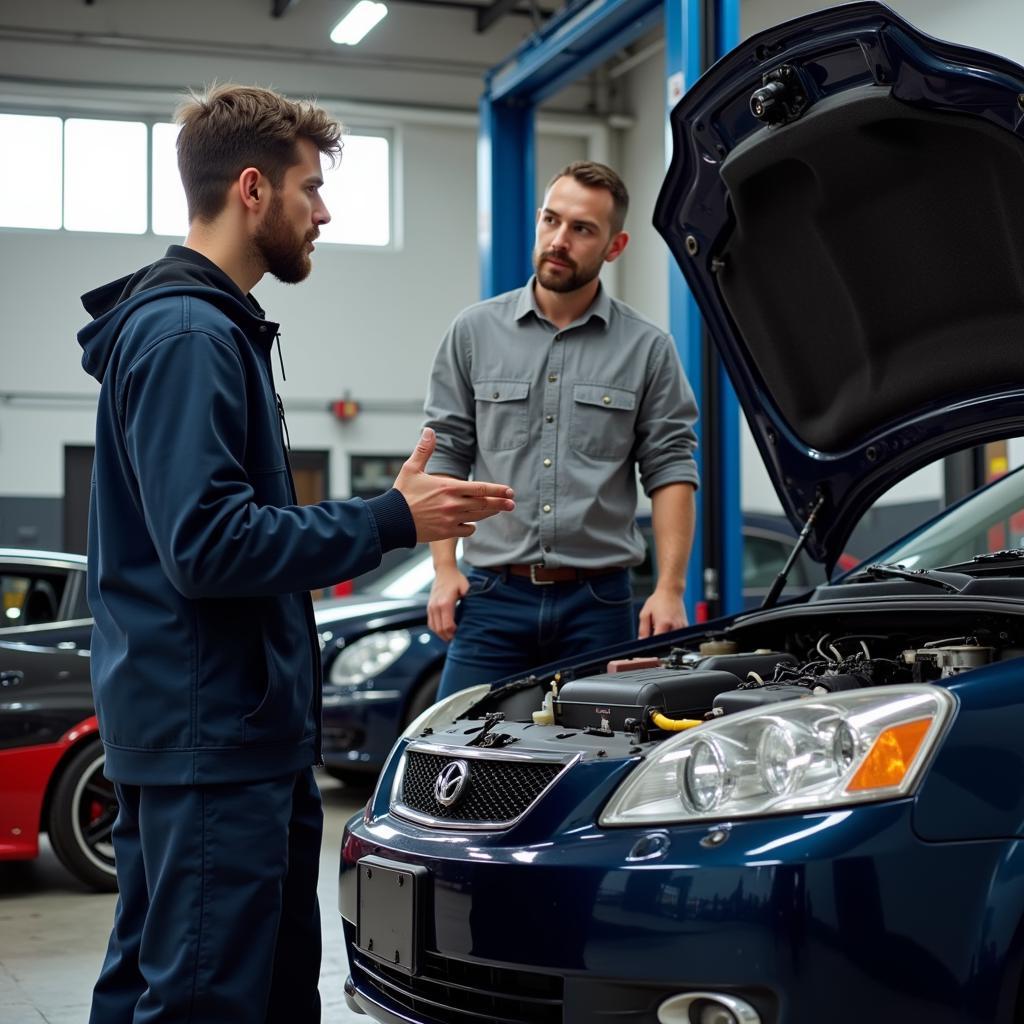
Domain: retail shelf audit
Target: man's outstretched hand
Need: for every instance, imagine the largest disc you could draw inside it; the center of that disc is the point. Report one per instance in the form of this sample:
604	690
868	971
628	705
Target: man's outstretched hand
441	506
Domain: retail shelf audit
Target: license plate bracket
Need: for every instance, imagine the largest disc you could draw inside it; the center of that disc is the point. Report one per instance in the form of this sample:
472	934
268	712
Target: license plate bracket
389	907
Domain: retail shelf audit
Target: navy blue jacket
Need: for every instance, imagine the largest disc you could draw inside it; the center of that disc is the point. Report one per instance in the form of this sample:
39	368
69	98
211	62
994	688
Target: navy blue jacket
205	661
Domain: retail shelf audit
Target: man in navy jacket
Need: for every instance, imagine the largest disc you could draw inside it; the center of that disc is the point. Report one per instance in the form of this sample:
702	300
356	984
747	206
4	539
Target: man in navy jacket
205	662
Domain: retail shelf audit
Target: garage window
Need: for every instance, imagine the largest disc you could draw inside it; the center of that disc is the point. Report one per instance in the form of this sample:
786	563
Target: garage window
170	211
357	191
30	180
105	176
121	176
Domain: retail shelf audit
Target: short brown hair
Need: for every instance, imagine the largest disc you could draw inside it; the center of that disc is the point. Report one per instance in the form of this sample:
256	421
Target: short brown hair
595	175
231	127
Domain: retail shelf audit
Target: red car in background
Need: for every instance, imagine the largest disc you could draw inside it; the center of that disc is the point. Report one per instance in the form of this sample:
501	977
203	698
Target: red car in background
51	758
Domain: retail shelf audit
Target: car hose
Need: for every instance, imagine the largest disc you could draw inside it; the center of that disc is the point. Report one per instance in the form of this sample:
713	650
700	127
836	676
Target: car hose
673	724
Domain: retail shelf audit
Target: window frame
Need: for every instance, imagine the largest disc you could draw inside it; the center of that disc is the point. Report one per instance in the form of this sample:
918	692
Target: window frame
391	132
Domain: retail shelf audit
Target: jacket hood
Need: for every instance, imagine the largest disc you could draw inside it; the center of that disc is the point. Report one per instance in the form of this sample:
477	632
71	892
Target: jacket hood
182	271
844	202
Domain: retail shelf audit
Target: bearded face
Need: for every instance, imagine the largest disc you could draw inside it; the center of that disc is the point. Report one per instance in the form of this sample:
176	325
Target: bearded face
576	233
557	271
283	248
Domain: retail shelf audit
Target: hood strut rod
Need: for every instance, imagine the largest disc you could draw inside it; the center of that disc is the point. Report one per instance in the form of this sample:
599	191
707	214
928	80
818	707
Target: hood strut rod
780	581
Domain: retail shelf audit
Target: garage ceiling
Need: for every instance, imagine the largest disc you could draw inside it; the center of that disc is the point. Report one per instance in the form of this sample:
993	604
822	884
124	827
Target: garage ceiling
485	12
425	52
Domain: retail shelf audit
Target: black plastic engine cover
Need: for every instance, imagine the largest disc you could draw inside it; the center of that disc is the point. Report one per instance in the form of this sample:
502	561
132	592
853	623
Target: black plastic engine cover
606	701
731	701
740	664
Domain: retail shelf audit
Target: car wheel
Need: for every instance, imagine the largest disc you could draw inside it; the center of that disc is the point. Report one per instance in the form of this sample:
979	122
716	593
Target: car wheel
82	814
424	695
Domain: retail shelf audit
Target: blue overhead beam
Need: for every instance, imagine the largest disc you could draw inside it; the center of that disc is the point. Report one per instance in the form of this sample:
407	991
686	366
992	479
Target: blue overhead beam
579	39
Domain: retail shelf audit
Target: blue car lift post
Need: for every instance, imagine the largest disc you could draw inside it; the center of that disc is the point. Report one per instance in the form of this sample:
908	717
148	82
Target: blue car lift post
573	43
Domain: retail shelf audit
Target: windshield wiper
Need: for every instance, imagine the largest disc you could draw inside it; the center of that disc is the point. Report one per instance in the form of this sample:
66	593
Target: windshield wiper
1007	556
952	582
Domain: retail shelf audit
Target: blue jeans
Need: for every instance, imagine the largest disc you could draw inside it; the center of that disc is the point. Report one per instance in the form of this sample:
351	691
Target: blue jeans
507	624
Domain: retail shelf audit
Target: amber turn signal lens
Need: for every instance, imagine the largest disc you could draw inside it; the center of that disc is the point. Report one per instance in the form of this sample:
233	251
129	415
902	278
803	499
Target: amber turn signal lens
890	756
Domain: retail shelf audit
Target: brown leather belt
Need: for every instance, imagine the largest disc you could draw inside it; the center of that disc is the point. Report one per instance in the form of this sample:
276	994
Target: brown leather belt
537	573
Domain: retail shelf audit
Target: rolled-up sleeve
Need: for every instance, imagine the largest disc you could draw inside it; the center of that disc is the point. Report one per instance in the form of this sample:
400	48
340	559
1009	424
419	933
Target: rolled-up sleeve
450	406
665	438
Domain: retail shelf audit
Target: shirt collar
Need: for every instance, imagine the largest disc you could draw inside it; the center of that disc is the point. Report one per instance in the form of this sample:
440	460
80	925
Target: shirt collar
601	307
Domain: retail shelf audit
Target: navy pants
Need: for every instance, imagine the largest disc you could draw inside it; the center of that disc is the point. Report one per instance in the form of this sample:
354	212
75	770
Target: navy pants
217	921
508	624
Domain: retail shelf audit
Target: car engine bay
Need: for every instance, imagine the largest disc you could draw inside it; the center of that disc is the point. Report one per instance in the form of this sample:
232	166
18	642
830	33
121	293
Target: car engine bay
622	706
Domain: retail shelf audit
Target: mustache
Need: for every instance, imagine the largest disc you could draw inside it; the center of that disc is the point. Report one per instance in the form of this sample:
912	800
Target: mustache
550	254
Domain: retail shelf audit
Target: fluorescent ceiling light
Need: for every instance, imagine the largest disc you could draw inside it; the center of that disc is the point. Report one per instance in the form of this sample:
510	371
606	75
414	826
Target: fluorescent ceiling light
358	22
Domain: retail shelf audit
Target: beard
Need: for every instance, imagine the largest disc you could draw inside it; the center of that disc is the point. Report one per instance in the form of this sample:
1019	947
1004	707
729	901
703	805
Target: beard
281	252
560	281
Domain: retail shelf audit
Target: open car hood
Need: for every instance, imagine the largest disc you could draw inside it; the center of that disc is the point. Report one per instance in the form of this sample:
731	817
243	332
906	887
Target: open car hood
860	262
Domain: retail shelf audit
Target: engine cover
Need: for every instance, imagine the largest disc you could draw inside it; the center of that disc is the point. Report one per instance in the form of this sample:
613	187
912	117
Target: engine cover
606	701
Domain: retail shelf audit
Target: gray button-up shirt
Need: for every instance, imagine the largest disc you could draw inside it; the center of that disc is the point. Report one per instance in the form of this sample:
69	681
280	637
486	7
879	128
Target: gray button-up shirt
562	416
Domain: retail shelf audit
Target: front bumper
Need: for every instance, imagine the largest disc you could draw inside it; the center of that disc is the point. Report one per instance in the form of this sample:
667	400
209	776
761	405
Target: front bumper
843	916
359	728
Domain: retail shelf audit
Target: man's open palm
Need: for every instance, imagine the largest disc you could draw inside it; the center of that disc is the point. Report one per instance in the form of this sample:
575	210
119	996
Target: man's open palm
443	507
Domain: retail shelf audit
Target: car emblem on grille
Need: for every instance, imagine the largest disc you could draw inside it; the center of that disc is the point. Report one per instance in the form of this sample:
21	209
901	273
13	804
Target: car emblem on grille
451	782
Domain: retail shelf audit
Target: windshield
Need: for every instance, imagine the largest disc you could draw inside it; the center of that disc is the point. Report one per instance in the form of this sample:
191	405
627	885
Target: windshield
413	575
991	519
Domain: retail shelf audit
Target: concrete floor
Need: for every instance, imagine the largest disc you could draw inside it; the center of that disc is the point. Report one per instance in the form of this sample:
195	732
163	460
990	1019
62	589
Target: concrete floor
53	931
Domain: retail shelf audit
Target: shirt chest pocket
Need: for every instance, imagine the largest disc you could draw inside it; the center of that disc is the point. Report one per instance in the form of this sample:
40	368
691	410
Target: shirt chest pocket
501	414
602	420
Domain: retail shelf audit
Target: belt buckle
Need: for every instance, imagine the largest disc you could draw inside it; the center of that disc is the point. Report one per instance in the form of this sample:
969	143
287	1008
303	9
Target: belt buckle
534	566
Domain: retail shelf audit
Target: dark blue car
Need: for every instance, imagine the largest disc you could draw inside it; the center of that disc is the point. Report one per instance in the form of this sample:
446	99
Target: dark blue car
382	665
811	812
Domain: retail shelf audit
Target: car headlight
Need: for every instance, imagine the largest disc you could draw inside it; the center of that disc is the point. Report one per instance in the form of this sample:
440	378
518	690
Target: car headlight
444	712
369	656
800	755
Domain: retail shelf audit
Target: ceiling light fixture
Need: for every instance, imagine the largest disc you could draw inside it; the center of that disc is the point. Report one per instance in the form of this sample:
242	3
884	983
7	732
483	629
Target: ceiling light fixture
351	29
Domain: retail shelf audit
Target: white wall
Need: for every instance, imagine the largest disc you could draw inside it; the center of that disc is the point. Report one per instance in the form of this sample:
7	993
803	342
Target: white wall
365	323
643	271
996	25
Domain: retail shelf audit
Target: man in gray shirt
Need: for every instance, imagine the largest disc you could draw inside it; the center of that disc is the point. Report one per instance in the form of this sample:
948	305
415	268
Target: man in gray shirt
562	391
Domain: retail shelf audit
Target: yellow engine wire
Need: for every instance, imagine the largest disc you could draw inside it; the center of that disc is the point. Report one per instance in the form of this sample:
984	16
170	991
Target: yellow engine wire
673	724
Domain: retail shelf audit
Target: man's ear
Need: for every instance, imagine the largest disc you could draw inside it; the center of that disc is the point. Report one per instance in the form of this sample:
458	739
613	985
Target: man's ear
252	187
616	247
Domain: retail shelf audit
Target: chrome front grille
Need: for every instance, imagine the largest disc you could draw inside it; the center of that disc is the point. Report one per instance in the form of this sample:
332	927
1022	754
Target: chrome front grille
499	789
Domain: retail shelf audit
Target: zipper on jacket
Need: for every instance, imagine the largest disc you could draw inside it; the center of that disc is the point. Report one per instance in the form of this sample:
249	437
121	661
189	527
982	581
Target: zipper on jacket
318	669
280	358
285	436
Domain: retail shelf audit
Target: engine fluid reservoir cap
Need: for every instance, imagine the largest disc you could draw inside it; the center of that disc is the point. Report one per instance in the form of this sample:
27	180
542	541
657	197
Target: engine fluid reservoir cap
710	647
